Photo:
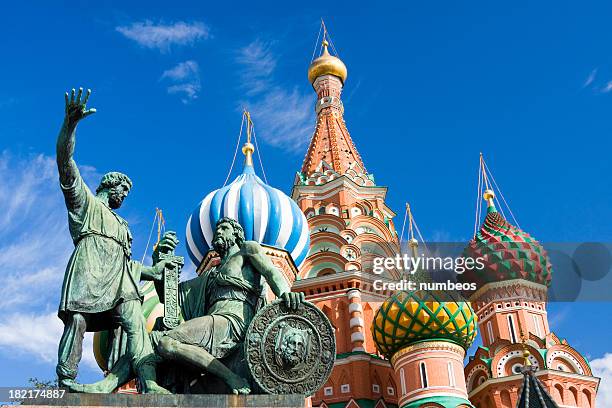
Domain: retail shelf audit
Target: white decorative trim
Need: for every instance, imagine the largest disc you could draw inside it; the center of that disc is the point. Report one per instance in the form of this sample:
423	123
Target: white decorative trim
357	336
501	364
355	307
567	357
356	321
353	293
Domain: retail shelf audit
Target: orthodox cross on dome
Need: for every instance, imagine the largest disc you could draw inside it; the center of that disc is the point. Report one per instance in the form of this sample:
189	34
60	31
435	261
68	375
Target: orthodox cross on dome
486	189
248	147
413	244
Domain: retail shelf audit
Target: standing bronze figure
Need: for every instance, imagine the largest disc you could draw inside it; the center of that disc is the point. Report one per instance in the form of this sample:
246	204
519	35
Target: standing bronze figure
100	289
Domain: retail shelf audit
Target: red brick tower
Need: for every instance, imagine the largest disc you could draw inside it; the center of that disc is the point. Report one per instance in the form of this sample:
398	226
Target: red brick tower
349	225
511	304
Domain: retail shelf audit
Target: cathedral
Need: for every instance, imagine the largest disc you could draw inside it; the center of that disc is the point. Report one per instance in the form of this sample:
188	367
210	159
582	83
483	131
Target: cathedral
408	349
395	348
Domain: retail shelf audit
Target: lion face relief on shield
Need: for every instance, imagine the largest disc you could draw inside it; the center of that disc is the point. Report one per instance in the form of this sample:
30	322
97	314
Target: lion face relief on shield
292	346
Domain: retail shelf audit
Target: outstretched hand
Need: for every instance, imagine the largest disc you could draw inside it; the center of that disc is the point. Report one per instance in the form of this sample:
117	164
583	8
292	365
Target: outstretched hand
76	109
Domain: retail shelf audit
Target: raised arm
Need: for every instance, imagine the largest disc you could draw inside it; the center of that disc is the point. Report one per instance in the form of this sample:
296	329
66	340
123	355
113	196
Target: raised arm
75	111
274	277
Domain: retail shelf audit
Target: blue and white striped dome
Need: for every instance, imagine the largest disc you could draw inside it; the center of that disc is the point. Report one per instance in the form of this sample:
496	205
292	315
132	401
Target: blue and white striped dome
266	214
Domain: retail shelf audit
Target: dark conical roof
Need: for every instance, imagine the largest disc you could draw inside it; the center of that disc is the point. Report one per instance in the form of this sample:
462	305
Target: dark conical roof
533	394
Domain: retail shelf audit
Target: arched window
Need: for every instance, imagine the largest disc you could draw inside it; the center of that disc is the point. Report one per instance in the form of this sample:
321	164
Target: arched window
512	329
451	375
506	402
557	393
423	371
536	323
572	396
490	332
586	398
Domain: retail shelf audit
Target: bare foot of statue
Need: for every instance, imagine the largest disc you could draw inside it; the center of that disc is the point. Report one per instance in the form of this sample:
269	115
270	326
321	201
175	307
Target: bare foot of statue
238	385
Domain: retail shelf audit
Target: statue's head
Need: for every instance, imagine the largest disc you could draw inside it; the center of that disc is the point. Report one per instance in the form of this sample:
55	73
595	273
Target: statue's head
117	185
228	232
293	347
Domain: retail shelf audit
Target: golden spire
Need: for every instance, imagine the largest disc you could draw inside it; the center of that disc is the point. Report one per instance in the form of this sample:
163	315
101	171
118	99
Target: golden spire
327	64
248	148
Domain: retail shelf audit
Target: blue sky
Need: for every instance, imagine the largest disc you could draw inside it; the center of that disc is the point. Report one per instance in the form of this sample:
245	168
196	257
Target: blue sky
429	87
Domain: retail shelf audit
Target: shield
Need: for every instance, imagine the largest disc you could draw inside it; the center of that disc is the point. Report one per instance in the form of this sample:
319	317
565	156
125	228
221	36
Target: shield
290	352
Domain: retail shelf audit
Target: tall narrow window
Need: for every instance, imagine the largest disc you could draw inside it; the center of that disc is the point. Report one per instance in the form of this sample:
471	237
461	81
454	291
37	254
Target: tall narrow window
451	375
511	328
536	323
423	375
490	331
402	381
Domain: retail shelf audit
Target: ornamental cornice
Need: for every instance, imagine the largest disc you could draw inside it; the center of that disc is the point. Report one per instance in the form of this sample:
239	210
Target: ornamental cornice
509	290
428	345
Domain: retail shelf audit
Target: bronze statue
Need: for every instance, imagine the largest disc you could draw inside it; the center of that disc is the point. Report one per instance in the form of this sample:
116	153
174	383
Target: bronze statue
100	289
217	308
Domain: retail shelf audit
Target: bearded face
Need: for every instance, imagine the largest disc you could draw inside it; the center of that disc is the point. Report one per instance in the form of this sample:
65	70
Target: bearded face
224	238
292	349
117	194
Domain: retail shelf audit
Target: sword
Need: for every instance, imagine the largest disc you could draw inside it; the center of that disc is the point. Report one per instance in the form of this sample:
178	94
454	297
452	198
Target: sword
170	282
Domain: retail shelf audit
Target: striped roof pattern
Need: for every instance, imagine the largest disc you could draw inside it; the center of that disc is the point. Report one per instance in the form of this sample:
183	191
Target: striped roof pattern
508	252
266	214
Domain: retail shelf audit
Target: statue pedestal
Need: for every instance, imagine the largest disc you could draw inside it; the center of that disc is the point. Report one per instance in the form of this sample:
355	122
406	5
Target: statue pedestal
179	400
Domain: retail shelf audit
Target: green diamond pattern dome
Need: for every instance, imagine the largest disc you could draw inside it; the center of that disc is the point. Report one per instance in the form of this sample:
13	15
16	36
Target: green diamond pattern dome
409	317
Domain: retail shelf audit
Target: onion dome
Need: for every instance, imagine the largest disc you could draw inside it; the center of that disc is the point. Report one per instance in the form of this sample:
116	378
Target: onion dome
507	251
266	214
327	64
409	317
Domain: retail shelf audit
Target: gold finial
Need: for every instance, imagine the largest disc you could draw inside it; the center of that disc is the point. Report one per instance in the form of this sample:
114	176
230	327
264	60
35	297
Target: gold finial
526	352
327	64
489	195
248	148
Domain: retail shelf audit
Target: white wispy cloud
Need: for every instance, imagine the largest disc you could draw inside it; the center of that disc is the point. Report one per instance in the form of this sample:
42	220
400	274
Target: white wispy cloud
283	115
602	368
183	70
34	248
42	333
258	64
607	87
185	78
163	36
590	78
